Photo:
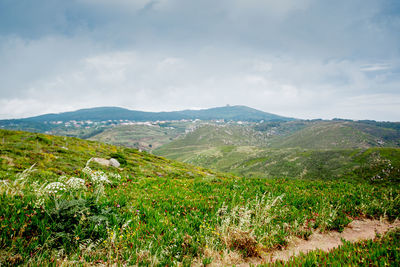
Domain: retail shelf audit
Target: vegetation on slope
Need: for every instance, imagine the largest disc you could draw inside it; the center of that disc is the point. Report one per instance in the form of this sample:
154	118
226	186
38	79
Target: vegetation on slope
334	134
298	149
211	136
157	211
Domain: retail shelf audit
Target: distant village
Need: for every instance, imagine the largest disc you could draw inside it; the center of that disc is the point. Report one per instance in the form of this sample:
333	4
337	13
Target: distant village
109	123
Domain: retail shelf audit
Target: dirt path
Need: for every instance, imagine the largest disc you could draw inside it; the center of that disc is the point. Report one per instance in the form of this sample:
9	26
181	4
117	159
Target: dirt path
357	230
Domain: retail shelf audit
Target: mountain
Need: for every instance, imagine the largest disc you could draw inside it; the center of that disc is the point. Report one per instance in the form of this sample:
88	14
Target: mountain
235	113
86	123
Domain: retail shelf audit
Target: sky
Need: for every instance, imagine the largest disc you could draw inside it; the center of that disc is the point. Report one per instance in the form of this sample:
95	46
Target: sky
299	58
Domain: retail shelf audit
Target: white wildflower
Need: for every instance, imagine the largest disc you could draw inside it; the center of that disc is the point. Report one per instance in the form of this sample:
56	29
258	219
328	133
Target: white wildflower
62	179
55	187
39	202
99	177
115	176
87	170
75	183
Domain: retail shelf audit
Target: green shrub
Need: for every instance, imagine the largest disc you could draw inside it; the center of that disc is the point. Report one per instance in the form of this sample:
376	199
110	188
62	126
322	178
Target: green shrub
121	158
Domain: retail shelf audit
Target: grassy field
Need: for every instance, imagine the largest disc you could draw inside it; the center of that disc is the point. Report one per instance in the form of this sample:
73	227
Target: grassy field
154	211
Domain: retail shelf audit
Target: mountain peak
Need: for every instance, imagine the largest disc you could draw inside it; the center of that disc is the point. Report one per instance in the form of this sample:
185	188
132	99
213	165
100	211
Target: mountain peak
234	113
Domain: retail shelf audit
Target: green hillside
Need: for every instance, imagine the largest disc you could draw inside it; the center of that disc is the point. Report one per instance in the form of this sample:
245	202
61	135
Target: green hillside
207	138
250	161
338	134
298	149
59	208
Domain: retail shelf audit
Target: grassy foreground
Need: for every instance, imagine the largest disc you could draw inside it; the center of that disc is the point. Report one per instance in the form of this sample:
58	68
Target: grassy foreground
154	211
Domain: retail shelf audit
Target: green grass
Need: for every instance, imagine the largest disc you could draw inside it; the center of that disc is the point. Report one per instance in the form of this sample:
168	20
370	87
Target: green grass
159	211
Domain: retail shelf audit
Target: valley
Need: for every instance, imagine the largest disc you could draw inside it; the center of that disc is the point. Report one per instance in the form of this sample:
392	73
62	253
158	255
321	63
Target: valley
197	192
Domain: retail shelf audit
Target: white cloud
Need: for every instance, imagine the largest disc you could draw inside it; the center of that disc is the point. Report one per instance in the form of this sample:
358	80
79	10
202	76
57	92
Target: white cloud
141	80
20	108
376	67
110	68
378	106
271	8
301	58
132	5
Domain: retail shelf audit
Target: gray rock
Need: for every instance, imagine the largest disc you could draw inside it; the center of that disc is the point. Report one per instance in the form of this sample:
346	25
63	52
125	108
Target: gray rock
114	163
101	161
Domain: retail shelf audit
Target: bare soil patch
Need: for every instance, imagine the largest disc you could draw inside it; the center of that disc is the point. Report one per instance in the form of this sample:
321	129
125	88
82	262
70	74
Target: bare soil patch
357	230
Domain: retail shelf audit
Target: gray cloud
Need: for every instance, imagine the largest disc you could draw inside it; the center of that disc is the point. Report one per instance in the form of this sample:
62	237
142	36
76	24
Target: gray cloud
297	58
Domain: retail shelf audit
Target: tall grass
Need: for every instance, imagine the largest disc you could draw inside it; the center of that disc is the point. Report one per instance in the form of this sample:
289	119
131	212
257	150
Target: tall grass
153	211
105	218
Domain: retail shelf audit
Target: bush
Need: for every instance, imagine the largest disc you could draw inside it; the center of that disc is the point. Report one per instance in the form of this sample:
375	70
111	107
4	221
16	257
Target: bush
121	158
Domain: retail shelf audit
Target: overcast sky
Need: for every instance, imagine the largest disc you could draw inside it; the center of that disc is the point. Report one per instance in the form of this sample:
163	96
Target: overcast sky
298	58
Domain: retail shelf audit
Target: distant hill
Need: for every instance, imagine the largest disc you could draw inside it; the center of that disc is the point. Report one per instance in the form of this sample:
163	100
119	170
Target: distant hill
314	134
208	138
306	149
235	113
336	134
86	123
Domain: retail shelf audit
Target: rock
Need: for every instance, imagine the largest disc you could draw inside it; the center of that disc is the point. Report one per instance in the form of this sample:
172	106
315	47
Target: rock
105	162
114	163
101	161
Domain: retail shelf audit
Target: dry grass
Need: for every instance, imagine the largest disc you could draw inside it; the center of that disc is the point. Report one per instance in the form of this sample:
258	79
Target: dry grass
243	241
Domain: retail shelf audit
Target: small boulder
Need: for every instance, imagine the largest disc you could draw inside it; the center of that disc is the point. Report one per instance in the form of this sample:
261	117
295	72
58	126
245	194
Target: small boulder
101	161
113	162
